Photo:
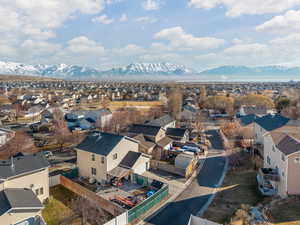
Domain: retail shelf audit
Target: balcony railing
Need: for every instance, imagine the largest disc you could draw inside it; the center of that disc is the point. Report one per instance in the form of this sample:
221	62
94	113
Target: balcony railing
269	174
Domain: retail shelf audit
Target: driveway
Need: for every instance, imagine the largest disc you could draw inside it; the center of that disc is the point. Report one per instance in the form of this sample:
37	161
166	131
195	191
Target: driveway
215	139
195	197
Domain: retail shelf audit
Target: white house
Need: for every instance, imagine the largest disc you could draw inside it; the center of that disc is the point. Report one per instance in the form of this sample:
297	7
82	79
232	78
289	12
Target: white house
282	157
102	156
24	185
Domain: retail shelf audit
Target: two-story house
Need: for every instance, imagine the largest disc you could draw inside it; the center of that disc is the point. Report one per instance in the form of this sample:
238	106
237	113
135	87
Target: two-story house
282	157
165	122
24	185
100	153
178	134
266	124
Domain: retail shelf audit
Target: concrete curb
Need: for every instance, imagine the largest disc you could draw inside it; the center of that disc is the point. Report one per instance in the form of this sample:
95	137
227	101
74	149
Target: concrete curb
173	197
211	198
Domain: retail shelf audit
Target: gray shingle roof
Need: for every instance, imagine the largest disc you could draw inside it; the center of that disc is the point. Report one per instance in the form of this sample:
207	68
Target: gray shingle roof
288	145
161	121
271	122
18	198
258	110
22	165
130	159
100	143
176	132
248	119
148	130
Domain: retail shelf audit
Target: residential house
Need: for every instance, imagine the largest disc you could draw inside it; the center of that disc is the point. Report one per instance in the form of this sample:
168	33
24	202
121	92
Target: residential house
165	122
266	124
100	153
145	146
5	135
24	185
256	110
282	160
151	132
178	134
189	113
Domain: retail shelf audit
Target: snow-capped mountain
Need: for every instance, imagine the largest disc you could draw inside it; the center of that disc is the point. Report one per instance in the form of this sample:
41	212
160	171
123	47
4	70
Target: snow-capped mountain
62	70
74	71
244	70
150	68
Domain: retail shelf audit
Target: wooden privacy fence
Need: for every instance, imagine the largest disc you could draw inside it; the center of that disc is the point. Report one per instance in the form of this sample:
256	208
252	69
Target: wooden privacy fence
91	196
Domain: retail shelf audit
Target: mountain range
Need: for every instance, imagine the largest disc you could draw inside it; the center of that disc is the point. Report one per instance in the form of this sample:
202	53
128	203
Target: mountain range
140	70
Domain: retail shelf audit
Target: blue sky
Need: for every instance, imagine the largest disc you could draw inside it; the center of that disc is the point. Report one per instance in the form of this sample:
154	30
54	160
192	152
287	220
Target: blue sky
200	34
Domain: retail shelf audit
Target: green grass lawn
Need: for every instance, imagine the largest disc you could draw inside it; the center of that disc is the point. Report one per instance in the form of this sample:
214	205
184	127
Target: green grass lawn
57	208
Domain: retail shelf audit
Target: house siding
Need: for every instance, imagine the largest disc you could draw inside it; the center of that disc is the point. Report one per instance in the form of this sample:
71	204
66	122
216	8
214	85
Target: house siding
293	175
276	162
32	181
85	163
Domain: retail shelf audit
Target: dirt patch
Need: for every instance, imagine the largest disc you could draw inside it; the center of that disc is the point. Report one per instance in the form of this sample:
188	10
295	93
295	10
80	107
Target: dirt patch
239	188
286	211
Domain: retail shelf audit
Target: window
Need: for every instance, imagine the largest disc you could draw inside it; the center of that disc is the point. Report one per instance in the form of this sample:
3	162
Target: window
282	173
273	148
94	171
36	191
115	156
93	157
297	160
41	191
268	160
102	159
282	157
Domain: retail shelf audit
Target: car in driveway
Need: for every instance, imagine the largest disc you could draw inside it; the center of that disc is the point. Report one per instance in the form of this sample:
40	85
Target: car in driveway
48	154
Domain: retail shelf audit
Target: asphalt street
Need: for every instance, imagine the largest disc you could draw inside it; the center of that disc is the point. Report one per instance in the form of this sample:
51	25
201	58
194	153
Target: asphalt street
194	198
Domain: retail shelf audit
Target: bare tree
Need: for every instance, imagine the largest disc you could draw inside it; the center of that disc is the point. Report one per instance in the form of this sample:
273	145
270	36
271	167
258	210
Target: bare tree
89	212
61	132
175	102
18	110
105	103
202	98
21	142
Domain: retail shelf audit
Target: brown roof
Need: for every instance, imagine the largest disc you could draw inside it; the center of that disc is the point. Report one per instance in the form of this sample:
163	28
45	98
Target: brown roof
146	144
164	141
287	139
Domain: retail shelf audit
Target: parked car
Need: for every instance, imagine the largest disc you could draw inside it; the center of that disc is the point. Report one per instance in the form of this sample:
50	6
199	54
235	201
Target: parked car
48	154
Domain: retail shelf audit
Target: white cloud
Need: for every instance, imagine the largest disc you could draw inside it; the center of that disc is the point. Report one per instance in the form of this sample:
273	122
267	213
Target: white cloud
104	19
36	19
180	40
39	47
245	49
292	40
128	50
251	7
146	19
287	23
123	18
83	45
109	2
151	4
